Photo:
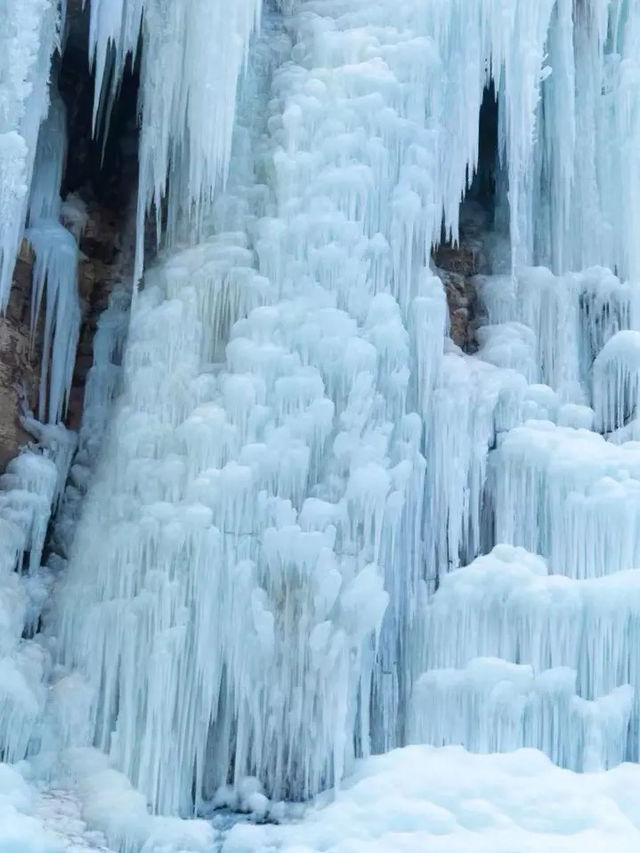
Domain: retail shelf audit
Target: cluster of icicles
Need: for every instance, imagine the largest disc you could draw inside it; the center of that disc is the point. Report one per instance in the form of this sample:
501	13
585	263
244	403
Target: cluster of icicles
299	456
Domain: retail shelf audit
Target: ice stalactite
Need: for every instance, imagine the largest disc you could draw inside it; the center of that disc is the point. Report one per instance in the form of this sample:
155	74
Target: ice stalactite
48	170
284	476
577	498
616	377
55	273
187	95
31	32
55	270
103	384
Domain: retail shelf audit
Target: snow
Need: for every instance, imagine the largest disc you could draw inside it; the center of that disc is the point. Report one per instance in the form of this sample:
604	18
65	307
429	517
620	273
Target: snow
449	801
110	805
20	829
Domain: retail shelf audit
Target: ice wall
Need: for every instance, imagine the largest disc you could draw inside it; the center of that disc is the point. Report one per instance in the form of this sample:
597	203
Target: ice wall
506	605
299	457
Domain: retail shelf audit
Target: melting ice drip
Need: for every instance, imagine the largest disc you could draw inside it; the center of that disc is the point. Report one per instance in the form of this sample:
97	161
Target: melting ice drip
299	456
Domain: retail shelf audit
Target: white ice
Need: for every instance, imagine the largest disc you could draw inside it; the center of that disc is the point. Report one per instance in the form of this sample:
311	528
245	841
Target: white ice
297	446
30	34
282	470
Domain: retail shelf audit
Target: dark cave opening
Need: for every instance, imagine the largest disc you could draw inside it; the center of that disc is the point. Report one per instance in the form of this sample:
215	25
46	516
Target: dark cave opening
483	188
103	167
102	170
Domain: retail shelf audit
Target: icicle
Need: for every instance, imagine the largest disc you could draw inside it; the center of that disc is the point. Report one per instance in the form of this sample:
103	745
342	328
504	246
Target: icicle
616	381
30	35
494	706
506	605
55	271
44	201
577	496
29	491
188	93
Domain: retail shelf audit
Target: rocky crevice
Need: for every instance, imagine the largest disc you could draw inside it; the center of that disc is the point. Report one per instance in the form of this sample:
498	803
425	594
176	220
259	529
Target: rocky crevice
19	361
456	265
102	178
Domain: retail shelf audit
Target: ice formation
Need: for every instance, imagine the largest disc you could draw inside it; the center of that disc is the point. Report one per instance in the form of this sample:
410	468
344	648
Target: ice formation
284	460
187	96
576	496
296	448
29	491
55	270
55	273
30	34
616	372
495	706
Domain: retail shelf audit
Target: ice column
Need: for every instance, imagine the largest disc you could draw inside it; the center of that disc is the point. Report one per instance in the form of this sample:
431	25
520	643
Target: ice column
29	37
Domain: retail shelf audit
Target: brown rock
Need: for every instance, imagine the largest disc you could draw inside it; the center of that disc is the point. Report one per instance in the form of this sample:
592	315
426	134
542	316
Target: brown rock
19	360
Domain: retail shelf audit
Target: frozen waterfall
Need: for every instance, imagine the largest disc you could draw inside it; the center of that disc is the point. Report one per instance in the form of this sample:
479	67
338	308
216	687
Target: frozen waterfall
301	525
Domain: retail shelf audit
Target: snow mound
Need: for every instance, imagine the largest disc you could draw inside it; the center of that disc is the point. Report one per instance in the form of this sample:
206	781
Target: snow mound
450	801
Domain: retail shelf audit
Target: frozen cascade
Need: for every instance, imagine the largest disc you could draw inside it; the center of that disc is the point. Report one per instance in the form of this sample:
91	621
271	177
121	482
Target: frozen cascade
30	489
301	524
266	516
616	373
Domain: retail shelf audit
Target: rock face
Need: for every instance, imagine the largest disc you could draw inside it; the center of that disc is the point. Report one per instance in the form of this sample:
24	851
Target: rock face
101	264
19	361
104	258
104	177
456	266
